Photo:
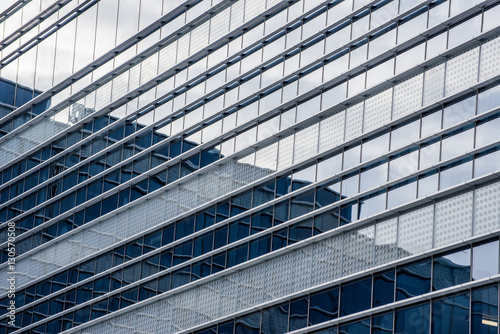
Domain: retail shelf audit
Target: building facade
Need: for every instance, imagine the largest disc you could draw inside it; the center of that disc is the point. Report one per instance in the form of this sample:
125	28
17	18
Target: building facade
249	166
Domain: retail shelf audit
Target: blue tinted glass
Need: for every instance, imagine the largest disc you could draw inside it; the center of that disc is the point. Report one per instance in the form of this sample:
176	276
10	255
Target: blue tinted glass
301	205
205	219
413	280
238	230
382	324
298	314
348	213
283	186
451	315
263	194
324	306
203	244
23	96
212	330
281	212
262	220
259	247
383	288
356	296
451	269
275	319
413	320
300	232
184	228
326	222
237	255
226	328
207	157
360	327
220	237
326	196
484	310
7	92
279	239
248	324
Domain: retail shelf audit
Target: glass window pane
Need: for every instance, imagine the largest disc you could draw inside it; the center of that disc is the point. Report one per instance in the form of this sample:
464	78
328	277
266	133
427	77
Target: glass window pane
488	99
275	319
405	135
485	260
383	288
487	132
451	315
298	314
248	324
355	296
484	310
413	280
382	324
324	306
455	174
329	167
451	269
413	320
373	177
487	163
459	112
360	327
457	143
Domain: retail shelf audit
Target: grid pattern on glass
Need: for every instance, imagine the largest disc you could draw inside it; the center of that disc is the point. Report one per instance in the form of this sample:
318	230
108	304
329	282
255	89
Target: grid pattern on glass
133	230
271	282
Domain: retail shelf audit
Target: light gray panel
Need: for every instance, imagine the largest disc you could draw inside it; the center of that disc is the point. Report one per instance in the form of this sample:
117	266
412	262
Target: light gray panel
453	220
486	209
415	231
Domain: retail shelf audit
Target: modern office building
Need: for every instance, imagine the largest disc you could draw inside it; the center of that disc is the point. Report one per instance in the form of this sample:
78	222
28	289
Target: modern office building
249	166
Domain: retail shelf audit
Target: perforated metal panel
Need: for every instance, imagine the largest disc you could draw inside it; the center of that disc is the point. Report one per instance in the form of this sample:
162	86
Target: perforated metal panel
229	293
199	37
386	234
377	110
486	209
489	65
354	121
434	84
462	71
306	143
453	220
145	320
266	158
278	277
285	154
149	68
237	12
407	97
251	286
327	260
358	250
331	131
415	231
302	267
208	301
219	26
183	311
167	57
183	47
